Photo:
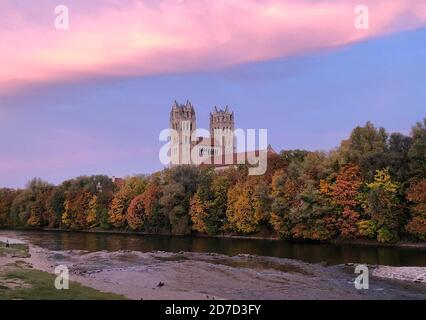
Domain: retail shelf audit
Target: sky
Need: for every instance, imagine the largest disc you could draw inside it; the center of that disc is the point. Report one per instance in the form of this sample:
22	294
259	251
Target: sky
93	99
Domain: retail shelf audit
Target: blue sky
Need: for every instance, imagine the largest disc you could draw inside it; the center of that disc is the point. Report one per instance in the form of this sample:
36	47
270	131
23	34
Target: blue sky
110	125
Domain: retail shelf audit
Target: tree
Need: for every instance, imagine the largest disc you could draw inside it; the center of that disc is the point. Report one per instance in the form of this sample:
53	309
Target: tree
133	187
136	214
20	209
366	147
397	157
7	197
382	205
315	167
218	204
416	194
209	204
417	151
92	213
198	214
240	214
117	212
344	197
344	192
275	162
55	207
247	205
179	185
36	211
313	218
151	199
284	194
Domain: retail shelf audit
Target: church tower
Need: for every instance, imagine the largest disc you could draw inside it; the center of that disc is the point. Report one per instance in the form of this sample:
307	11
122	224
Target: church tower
222	129
183	122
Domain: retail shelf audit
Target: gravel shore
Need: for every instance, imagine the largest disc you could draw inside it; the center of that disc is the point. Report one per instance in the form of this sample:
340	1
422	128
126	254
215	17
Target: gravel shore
188	275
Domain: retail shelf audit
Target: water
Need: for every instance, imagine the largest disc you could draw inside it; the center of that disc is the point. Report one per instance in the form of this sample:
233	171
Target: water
332	254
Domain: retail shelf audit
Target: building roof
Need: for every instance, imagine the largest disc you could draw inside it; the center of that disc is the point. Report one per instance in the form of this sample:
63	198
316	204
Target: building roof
236	158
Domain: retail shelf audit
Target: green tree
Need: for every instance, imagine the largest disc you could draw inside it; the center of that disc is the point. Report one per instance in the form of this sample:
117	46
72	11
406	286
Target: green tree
179	185
284	195
366	147
313	218
383	205
417	151
7	197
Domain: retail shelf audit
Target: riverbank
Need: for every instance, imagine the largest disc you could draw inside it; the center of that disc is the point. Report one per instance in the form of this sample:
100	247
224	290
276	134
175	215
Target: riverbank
191	275
23	278
358	242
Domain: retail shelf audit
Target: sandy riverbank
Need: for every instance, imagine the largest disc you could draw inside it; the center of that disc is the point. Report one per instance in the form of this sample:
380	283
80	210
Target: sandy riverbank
188	275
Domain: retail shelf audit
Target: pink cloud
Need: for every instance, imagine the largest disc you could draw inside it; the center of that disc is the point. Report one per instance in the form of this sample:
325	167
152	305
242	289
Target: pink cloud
140	37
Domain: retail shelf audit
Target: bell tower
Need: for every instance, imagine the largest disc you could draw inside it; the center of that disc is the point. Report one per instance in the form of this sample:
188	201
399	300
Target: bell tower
222	129
183	124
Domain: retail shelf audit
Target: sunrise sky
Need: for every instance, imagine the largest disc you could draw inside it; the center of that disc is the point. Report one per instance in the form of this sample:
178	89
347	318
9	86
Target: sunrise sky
93	99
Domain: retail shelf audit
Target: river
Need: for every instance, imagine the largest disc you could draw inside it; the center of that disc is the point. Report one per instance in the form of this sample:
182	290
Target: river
331	254
227	268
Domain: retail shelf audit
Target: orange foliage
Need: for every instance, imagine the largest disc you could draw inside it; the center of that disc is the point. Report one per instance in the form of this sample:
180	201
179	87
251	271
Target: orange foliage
246	207
348	182
136	213
117	212
417	227
349	223
198	214
417	194
150	198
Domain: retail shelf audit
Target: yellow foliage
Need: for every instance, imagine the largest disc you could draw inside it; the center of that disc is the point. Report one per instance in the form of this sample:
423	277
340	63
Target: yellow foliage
92	212
382	179
198	214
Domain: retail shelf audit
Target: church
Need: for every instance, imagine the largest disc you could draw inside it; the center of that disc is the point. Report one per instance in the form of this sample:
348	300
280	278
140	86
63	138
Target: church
186	148
219	149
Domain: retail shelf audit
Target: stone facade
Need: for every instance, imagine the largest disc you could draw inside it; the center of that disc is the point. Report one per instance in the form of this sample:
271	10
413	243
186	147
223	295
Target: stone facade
183	122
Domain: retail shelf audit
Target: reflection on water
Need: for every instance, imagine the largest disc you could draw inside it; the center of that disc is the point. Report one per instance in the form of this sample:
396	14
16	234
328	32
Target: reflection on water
308	252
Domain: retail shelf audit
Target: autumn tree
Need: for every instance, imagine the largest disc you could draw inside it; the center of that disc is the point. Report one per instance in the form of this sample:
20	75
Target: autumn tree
284	192
119	205
248	205
218	204
36	211
344	195
209	204
313	218
136	214
92	212
20	209
76	208
416	194
133	187
54	207
6	200
382	205
198	213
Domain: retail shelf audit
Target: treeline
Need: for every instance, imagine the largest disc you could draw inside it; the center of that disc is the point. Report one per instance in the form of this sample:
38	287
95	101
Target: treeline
372	186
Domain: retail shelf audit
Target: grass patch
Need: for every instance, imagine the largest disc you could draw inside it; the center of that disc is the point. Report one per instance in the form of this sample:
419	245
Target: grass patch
14	250
28	284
